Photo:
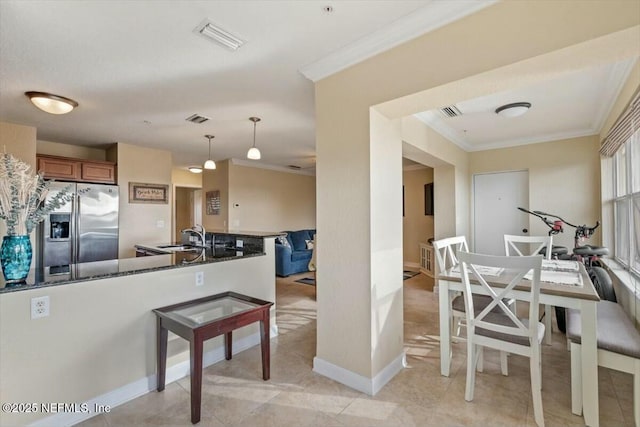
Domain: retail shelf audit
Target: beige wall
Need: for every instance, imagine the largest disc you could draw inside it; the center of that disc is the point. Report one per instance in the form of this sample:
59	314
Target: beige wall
142	222
564	179
21	142
450	166
257	199
217	179
101	335
416	226
503	39
184	178
68	150
269	200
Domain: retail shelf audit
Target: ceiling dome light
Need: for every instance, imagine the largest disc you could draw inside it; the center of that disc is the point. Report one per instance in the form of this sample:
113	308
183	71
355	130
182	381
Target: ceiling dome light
254	153
52	104
209	164
513	110
195	169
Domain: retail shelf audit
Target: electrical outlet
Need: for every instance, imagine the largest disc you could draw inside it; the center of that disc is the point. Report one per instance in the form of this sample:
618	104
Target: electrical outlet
39	307
239	243
199	278
160	224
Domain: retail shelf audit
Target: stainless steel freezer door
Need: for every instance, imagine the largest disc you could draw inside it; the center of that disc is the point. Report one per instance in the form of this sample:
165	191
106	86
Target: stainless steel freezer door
55	249
97	222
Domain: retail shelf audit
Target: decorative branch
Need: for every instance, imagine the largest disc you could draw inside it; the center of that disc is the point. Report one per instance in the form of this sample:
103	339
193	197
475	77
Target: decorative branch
23	194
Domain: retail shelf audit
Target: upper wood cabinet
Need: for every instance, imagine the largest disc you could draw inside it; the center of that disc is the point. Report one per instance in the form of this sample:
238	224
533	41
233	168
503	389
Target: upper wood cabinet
77	169
59	167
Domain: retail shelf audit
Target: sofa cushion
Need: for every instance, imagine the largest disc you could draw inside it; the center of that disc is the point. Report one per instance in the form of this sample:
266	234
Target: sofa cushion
298	239
300	255
283	241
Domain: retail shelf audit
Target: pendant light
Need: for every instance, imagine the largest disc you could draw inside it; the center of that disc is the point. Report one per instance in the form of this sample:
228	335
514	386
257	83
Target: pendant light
209	164
50	103
254	153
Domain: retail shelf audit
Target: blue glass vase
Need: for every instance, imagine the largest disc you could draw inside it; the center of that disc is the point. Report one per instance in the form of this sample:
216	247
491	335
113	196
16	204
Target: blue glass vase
15	257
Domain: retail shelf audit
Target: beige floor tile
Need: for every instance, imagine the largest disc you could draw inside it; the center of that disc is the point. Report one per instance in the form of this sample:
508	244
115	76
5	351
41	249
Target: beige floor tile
367	412
275	415
234	394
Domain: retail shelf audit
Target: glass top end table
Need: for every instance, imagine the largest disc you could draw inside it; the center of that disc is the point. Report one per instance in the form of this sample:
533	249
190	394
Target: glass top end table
205	318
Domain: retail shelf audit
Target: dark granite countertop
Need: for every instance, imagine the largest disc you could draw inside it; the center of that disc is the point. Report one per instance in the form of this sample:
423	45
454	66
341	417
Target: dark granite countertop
54	276
248	233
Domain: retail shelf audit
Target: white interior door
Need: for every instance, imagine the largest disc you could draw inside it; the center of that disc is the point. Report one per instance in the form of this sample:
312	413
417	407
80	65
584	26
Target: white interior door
197	207
496	198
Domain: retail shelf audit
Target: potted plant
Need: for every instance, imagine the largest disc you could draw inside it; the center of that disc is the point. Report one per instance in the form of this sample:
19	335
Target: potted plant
22	206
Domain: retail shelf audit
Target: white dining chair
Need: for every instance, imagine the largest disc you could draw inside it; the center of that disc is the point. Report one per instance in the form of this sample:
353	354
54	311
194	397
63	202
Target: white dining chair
532	245
503	331
445	253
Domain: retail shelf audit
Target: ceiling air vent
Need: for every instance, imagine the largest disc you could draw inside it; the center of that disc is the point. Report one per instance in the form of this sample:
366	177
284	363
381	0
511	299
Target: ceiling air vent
450	111
196	118
294	167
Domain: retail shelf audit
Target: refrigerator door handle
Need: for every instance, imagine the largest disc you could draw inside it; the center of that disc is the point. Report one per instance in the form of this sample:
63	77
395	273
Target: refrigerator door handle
76	228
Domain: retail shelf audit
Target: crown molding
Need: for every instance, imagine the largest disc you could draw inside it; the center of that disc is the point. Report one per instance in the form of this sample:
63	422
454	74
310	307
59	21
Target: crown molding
576	133
435	15
254	164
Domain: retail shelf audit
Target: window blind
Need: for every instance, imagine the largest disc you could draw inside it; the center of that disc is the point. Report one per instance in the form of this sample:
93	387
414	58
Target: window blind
622	130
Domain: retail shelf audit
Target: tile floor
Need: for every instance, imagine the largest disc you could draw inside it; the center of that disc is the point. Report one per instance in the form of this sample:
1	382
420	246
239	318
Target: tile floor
234	395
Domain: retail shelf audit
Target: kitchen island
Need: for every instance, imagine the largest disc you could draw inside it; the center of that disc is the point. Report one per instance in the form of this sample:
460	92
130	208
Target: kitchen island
97	345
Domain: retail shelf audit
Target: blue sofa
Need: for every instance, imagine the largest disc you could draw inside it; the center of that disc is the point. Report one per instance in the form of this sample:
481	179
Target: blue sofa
294	257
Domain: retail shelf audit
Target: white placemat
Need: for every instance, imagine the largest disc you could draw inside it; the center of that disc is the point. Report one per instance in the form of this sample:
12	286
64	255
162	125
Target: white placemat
483	270
560	265
560	277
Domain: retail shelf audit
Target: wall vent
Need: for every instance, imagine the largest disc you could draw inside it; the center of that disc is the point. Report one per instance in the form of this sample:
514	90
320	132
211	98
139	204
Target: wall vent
450	111
196	118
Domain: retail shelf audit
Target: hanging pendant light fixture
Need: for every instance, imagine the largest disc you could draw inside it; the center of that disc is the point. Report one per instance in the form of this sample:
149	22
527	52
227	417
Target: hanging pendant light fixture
254	153
209	164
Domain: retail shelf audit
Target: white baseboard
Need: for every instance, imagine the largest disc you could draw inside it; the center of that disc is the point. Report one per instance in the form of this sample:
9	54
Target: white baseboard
412	265
370	386
145	385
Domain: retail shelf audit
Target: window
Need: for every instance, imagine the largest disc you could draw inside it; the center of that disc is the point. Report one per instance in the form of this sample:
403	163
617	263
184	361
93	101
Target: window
627	203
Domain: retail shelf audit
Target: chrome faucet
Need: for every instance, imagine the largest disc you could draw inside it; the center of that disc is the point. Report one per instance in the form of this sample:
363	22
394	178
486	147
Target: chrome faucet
201	234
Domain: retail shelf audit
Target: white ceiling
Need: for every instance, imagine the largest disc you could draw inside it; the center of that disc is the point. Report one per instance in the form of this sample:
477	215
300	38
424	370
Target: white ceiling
137	69
572	106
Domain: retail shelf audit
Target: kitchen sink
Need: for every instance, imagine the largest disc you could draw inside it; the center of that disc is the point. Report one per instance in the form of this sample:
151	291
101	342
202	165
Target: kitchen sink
179	248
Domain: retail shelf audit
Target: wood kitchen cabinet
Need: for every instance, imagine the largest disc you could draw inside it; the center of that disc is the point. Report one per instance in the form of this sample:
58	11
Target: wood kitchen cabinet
59	167
77	169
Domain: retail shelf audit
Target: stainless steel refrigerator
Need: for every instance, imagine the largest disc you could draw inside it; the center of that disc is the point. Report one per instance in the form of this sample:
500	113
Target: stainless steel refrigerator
85	229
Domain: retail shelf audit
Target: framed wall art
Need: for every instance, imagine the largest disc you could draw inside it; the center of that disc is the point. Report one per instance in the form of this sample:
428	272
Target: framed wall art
213	202
148	193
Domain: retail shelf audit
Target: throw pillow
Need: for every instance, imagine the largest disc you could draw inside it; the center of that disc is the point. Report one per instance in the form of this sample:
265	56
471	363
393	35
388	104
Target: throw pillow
309	244
283	241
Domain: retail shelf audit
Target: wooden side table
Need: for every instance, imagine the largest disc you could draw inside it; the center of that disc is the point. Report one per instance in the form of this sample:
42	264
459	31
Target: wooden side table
204	318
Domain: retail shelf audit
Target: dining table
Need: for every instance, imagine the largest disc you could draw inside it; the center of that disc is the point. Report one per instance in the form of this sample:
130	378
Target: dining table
562	284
